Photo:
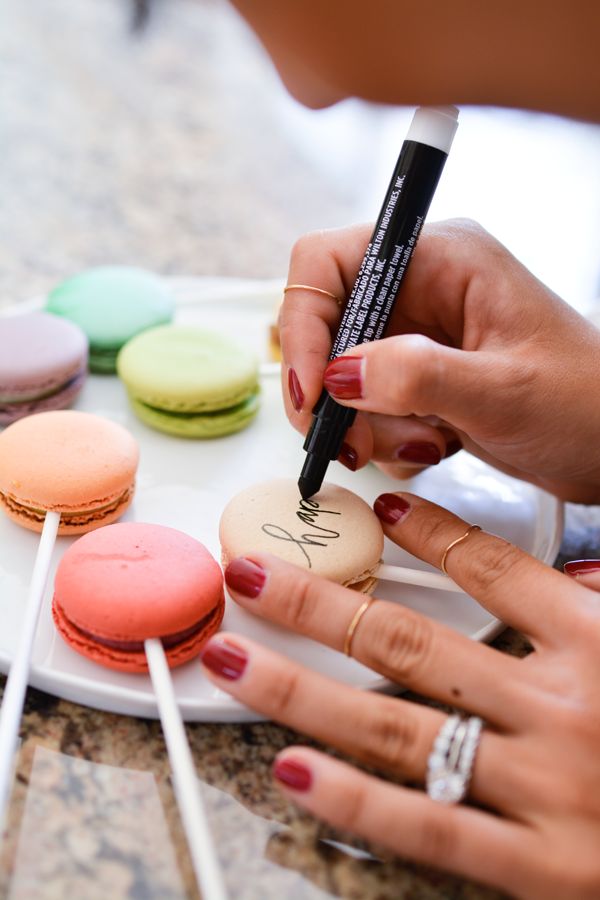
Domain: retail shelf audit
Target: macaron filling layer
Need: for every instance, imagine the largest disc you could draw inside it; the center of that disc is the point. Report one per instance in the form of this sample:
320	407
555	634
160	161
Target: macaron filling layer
168	641
365	583
247	402
68	517
104	358
26	395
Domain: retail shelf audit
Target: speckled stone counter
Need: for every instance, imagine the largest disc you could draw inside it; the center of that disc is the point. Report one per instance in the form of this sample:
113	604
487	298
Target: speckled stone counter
173	149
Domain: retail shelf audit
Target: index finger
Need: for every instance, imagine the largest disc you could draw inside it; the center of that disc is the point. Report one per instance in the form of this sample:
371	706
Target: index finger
522	591
329	261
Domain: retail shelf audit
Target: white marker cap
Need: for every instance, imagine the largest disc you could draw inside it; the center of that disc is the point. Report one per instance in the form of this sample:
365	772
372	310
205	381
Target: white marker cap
434	126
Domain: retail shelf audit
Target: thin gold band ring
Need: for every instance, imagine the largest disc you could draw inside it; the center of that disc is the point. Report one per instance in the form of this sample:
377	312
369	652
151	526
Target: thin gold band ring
315	290
452	544
354	622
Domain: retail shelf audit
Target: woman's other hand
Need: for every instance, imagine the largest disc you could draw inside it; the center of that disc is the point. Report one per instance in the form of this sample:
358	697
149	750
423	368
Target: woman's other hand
536	779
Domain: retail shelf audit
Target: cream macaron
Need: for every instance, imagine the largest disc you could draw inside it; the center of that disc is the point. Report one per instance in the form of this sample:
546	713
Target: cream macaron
335	534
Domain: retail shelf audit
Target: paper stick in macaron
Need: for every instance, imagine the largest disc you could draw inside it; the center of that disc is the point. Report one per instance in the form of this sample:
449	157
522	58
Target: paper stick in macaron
335	534
61	472
139	597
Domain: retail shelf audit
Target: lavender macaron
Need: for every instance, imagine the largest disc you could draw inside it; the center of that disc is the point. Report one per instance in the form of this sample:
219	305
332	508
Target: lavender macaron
43	364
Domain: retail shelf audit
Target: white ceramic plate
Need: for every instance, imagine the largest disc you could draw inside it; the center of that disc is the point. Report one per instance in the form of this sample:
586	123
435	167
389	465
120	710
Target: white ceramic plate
185	484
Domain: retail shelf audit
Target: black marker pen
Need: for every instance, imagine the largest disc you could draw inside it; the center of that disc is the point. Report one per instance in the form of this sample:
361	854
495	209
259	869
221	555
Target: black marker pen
369	307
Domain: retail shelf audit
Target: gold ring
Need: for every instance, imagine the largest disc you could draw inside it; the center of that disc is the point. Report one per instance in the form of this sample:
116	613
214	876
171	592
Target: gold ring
315	290
354	624
452	544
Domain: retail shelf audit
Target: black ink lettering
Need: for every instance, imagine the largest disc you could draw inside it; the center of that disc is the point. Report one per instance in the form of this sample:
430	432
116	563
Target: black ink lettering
308	513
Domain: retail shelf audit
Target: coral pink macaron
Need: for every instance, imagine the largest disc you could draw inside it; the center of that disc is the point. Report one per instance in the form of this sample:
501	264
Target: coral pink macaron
121	584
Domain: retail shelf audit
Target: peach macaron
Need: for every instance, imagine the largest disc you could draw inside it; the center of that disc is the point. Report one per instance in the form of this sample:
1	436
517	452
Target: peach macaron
80	465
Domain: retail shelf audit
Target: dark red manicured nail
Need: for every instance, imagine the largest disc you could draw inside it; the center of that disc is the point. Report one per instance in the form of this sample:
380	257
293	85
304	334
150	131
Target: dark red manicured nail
417	452
296	392
581	566
391	508
452	447
224	658
245	577
293	774
348	457
343	378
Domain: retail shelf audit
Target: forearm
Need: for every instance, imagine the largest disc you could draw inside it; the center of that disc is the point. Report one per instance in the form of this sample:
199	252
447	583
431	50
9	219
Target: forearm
515	53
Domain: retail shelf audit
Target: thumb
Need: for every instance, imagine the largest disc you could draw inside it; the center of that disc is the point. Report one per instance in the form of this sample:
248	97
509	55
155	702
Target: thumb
411	374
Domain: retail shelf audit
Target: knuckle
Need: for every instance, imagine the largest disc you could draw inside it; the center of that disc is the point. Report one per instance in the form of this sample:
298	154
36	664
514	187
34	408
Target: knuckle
410	375
578	794
436	837
283	692
571	877
402	646
467	226
298	601
392	738
431	530
351	807
495	560
461	232
311	249
305	244
295	321
586	877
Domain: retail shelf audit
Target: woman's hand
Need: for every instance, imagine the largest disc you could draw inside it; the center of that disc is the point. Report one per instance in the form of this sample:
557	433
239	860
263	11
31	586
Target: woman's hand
537	769
478	353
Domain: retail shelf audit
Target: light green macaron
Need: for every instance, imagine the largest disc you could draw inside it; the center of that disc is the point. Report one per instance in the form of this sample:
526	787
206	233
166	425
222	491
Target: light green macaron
190	382
112	304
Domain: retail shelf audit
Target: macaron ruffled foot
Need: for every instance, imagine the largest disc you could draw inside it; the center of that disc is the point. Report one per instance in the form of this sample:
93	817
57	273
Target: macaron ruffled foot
77	464
121	585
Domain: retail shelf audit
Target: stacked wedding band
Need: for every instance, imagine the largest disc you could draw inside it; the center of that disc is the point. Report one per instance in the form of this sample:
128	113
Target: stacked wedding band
451	760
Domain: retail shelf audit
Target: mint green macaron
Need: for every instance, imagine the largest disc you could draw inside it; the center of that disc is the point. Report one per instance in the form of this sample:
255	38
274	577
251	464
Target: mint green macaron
189	382
112	304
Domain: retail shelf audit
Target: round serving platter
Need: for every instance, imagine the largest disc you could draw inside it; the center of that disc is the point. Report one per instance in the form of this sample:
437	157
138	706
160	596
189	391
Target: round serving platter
186	484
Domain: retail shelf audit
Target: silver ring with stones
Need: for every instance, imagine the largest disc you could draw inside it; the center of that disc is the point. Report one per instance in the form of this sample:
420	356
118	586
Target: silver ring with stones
450	763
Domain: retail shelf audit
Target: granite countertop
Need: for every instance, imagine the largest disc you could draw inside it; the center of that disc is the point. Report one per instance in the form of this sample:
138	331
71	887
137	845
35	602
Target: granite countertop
150	148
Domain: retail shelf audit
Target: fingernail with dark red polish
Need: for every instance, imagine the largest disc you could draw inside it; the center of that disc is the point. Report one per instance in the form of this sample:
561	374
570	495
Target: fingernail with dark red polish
417	452
224	659
245	577
348	457
296	392
293	774
343	378
452	447
581	567
391	508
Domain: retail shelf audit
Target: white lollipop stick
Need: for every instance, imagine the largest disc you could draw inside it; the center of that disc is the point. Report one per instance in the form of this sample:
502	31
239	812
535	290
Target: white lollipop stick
187	789
16	684
416	577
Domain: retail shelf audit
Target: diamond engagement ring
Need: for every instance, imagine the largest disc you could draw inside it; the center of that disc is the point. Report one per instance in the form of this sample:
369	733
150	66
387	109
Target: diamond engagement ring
450	763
